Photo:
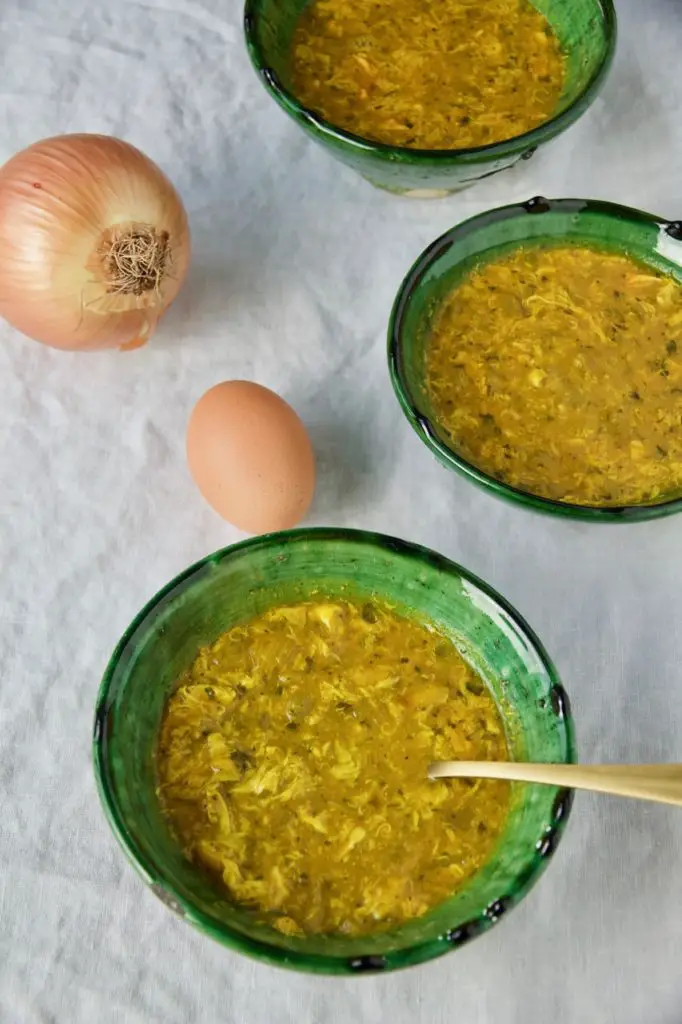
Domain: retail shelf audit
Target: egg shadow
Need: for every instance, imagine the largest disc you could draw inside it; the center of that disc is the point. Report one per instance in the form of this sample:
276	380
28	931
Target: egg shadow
355	454
345	473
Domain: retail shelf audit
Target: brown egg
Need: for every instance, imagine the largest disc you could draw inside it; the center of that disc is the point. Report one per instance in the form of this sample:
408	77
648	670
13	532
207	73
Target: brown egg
251	457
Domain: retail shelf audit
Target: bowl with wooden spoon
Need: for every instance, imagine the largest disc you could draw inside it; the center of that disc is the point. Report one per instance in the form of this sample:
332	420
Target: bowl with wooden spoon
263	736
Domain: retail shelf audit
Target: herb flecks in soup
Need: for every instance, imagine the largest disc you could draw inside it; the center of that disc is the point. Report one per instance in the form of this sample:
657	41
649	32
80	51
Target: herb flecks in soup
428	74
293	763
559	371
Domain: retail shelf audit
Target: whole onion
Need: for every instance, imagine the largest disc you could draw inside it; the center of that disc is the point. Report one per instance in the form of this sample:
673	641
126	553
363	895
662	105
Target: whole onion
94	243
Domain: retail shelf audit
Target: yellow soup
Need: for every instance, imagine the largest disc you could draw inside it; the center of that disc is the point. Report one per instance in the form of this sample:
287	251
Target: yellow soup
559	371
428	74
292	765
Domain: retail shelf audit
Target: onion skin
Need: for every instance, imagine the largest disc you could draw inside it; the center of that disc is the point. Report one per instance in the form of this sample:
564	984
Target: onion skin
59	201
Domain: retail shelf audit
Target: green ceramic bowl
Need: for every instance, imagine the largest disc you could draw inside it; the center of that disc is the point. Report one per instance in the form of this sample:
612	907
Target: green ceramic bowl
586	29
483	238
242	581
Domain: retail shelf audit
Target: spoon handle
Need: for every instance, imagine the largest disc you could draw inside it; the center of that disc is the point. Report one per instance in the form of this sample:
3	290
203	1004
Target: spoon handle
658	782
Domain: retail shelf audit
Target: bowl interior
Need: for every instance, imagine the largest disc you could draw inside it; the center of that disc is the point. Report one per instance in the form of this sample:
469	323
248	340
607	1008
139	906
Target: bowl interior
486	238
243	581
584	28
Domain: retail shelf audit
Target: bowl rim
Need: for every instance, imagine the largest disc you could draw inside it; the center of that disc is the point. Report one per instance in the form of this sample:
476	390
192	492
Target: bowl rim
528	141
153	876
426	428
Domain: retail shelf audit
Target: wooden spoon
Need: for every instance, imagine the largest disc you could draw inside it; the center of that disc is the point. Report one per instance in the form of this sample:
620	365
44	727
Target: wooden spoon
659	782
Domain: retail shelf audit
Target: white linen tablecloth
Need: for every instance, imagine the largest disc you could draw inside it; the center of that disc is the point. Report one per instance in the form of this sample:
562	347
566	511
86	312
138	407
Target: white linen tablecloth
296	263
